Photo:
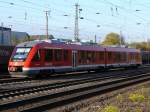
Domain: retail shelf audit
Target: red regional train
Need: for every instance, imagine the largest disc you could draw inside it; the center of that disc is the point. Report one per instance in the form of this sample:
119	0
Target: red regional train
34	58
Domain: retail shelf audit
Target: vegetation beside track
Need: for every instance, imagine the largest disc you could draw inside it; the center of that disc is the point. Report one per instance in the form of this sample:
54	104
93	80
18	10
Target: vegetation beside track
133	99
72	94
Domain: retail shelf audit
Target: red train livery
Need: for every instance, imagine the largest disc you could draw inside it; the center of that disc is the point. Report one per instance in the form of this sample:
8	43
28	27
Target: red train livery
32	58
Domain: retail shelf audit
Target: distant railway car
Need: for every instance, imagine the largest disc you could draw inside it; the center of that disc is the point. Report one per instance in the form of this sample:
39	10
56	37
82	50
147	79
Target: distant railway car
5	53
122	57
34	58
145	57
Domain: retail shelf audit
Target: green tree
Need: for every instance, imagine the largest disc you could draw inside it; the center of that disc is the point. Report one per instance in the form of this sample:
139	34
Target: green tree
113	39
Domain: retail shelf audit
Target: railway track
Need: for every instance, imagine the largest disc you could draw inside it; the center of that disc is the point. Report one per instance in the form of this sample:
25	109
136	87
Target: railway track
49	84
51	99
6	84
67	97
9	80
4	75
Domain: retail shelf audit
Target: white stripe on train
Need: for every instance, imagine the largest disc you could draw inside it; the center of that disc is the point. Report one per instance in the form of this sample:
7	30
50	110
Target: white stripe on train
79	66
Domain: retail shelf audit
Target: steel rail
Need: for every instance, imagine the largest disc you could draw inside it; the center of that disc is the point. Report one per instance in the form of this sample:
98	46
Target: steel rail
63	94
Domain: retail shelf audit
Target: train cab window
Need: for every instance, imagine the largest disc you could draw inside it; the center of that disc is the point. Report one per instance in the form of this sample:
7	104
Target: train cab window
20	53
48	54
58	55
65	55
37	56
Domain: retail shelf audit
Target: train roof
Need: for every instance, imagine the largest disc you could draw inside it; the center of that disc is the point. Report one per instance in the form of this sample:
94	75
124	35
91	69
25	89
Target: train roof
49	44
29	44
123	49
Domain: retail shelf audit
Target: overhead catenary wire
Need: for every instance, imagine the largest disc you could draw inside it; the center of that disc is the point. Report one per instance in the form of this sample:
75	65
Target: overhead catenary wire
56	17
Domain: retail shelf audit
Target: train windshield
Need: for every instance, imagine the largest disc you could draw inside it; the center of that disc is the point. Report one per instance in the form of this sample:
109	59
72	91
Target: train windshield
21	53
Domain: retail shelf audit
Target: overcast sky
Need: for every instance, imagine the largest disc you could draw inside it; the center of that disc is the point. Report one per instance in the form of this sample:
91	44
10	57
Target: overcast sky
131	18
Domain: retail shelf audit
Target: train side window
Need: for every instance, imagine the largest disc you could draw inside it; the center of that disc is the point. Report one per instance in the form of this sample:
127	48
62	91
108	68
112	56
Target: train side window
119	56
37	56
48	54
132	56
82	56
89	56
65	55
101	56
58	55
123	56
93	56
109	55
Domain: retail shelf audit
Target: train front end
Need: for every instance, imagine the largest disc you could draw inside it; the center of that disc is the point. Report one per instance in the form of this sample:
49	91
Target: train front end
18	61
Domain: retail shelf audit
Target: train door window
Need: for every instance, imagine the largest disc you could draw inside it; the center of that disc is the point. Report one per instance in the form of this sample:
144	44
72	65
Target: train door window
58	55
93	56
101	56
37	56
65	55
48	54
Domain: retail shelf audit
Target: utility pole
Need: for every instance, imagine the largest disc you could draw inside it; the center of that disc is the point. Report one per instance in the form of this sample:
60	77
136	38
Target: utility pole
76	30
47	14
2	33
10	34
95	39
121	38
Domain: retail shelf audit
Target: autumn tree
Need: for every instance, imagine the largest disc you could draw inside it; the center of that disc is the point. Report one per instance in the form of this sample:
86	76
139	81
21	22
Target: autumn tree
141	45
113	39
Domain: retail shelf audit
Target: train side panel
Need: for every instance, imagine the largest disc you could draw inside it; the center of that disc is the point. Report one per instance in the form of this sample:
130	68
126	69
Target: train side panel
33	58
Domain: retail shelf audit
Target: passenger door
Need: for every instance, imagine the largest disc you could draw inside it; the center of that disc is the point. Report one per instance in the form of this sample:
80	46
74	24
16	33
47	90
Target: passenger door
74	58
